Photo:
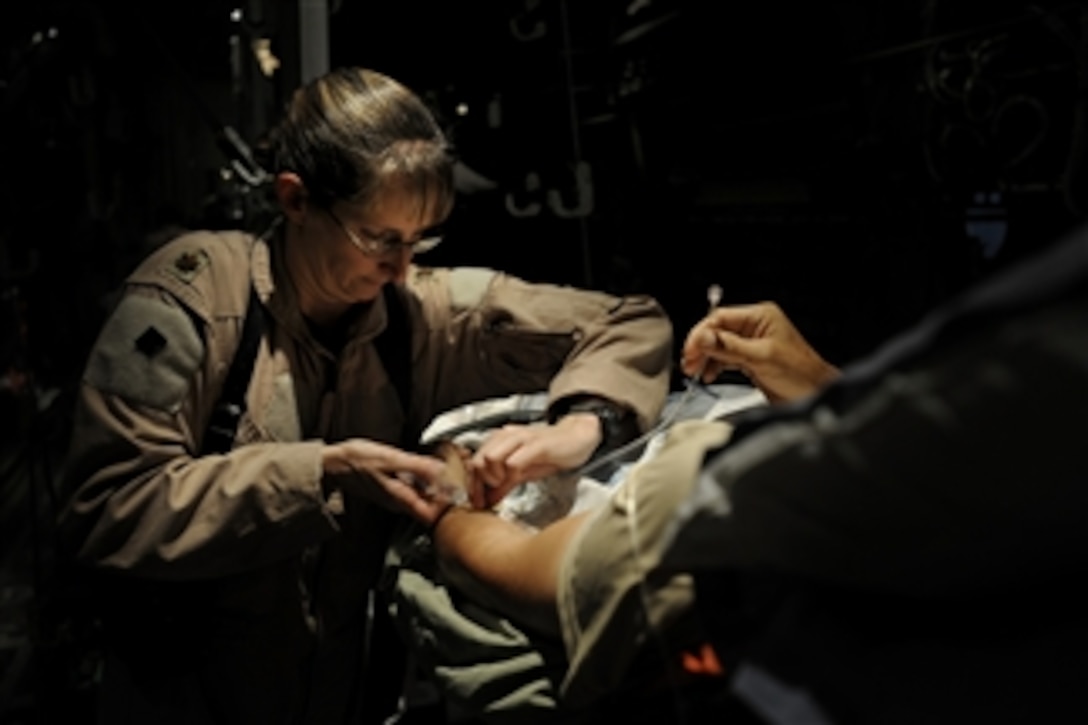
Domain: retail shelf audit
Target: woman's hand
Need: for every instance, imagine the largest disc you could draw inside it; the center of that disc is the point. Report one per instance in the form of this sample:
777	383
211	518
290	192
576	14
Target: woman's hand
388	476
515	454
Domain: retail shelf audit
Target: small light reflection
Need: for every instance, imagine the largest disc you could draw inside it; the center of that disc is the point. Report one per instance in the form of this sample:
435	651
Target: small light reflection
268	62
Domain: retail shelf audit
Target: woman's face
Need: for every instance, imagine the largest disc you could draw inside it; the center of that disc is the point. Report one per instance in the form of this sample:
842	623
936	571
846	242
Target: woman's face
365	248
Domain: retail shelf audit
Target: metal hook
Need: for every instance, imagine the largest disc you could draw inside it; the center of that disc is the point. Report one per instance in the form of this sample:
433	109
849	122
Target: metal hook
539	29
583	179
533	208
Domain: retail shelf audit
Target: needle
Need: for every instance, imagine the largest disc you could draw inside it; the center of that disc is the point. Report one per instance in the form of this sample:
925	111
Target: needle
713	298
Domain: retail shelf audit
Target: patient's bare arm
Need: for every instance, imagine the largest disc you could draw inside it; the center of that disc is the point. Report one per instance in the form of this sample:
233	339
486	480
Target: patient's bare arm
499	563
511	568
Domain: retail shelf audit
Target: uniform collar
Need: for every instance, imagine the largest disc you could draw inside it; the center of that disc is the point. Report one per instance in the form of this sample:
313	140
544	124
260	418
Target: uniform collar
274	288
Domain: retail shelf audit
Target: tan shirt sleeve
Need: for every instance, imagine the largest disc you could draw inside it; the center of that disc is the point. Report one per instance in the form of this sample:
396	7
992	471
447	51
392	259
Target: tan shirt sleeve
494	334
143	501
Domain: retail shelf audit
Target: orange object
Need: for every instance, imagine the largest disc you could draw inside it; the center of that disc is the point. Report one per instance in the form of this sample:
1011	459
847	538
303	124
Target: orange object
702	662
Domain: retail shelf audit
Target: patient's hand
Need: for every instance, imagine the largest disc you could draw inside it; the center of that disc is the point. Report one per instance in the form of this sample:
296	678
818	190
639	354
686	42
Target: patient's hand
457	479
515	454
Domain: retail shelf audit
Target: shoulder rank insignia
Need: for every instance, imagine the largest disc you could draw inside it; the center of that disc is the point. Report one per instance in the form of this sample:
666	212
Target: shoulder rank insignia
189	263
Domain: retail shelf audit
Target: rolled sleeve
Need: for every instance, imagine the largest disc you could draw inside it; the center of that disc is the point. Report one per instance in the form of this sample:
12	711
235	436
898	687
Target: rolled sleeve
611	584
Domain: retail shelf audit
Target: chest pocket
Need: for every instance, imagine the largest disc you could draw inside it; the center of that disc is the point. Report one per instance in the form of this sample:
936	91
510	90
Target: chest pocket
510	348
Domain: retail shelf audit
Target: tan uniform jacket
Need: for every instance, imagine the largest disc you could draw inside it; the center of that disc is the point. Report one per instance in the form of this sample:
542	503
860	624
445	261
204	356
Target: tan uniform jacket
262	583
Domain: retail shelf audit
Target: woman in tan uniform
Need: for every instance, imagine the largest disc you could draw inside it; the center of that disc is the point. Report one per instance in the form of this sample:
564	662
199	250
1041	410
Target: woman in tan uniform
234	557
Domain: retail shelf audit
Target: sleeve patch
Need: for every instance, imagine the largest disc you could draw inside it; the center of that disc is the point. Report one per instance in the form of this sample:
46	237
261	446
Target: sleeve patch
147	353
468	285
189	264
151	342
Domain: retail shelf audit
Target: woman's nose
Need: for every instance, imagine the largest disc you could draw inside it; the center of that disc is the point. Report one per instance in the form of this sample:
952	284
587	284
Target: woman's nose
396	263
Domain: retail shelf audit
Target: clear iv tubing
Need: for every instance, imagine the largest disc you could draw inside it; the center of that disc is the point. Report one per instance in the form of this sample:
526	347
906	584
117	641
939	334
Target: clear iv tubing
713	297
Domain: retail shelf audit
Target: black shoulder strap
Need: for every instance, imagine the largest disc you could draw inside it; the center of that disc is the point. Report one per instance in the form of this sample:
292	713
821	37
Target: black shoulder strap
223	426
394	347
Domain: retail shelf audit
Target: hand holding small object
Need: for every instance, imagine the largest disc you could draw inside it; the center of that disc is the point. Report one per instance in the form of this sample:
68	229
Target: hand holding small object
384	474
762	343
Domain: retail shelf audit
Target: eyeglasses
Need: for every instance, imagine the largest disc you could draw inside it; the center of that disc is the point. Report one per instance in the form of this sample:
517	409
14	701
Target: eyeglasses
379	246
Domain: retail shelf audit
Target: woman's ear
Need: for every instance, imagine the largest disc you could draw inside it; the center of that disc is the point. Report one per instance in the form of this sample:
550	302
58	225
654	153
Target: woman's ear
291	196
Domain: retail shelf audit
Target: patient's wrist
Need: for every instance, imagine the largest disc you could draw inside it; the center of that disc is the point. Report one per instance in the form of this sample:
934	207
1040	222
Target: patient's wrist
433	528
449	521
